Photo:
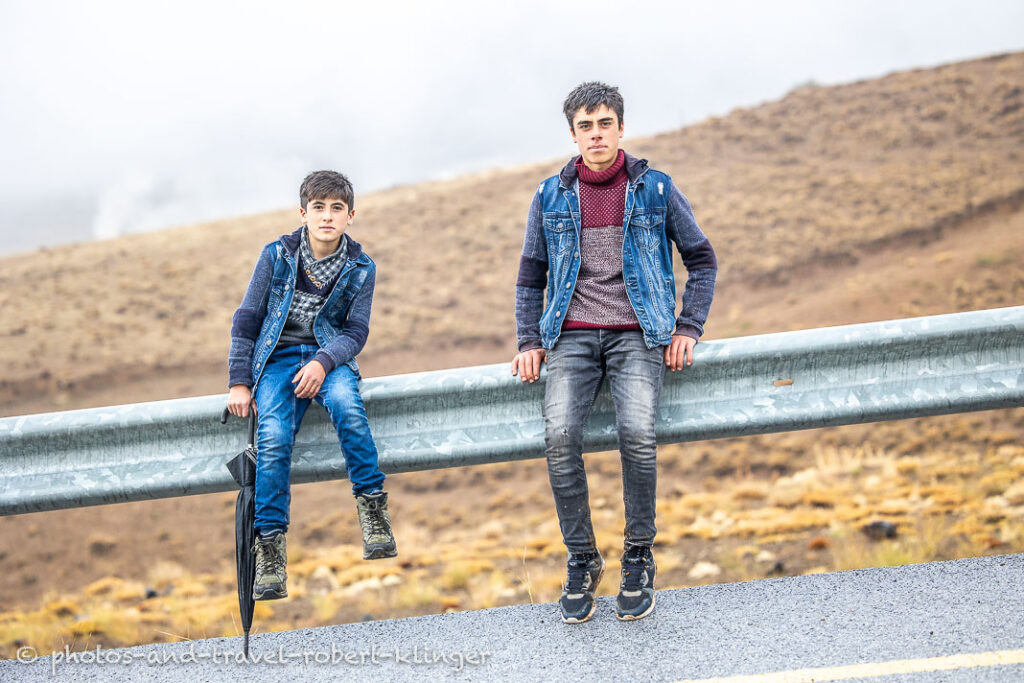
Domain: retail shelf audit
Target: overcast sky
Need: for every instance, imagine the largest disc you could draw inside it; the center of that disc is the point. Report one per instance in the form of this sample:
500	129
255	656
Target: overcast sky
123	116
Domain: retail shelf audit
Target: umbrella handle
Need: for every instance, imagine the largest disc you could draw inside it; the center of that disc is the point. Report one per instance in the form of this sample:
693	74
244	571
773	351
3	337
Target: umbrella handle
251	426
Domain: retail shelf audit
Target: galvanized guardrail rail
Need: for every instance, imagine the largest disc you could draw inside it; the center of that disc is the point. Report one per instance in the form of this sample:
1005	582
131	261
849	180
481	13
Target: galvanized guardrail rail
749	385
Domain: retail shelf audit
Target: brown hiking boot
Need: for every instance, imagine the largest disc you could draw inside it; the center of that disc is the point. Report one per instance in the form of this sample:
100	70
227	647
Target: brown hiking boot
271	561
375	522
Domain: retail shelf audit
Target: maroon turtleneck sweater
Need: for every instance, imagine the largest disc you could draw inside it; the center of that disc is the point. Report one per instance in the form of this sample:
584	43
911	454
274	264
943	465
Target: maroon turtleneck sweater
599	300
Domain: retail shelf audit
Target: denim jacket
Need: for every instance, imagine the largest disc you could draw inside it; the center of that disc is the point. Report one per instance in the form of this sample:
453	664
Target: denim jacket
657	215
340	327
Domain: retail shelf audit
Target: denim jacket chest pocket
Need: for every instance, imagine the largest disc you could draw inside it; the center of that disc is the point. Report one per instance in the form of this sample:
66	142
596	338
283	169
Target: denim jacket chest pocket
648	228
559	232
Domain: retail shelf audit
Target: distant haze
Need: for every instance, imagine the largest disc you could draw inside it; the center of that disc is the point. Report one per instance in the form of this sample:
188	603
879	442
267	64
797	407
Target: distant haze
118	117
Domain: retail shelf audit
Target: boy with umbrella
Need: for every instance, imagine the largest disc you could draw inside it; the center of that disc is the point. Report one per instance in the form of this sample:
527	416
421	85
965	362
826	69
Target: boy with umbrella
304	317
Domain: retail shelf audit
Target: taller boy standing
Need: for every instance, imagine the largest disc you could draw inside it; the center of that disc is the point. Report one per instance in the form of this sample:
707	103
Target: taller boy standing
598	238
305	316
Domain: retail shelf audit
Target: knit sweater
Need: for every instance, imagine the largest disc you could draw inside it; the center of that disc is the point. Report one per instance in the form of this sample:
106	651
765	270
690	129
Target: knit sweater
600	300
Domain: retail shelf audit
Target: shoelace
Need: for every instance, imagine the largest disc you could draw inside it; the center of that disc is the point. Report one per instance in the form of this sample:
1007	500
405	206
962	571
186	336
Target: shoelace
633	576
373	522
577	577
271	560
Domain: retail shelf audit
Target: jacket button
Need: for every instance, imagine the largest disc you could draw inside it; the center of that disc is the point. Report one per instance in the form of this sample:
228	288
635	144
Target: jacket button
577	256
258	364
559	225
268	342
568	285
558	314
286	287
278	314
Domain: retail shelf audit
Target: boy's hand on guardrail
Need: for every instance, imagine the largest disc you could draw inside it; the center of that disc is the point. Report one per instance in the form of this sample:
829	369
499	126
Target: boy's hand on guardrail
527	364
239	398
309	379
679	352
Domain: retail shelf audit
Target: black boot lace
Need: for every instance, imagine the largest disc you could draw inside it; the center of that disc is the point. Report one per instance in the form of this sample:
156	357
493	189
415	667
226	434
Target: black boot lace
633	565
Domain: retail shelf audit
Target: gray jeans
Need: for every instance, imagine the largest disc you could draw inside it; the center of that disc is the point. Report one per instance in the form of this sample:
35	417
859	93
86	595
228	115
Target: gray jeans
576	366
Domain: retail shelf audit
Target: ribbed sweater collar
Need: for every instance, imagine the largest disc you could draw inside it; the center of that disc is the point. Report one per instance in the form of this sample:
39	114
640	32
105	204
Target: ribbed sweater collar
608	176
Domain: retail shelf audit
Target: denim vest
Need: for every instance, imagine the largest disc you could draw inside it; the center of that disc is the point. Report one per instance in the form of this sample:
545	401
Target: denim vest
646	254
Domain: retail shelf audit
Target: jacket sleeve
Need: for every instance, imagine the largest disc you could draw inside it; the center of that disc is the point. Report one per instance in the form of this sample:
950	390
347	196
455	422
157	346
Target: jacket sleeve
700	261
248	319
532	278
356	329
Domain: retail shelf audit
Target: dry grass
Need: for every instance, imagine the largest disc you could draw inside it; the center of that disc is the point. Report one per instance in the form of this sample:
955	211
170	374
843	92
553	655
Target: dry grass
944	505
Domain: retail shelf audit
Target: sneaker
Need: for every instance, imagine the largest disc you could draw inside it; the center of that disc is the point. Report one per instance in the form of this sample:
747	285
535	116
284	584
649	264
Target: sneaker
584	572
271	560
636	593
374	520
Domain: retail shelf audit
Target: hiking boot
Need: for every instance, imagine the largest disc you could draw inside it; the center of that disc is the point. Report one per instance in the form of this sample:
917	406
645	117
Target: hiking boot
583	573
374	520
271	560
636	592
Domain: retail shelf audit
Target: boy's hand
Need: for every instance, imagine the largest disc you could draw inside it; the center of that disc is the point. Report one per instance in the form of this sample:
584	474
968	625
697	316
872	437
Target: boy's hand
309	379
527	364
680	351
239	399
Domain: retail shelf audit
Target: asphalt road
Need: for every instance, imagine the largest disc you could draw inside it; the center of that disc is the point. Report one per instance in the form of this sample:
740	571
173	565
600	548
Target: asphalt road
946	621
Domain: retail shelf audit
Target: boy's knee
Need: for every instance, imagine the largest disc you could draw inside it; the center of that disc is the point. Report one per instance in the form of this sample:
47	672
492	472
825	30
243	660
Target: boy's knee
343	404
273	431
562	437
341	389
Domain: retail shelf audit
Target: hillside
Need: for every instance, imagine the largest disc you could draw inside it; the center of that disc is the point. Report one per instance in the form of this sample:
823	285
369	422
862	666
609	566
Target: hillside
822	178
886	198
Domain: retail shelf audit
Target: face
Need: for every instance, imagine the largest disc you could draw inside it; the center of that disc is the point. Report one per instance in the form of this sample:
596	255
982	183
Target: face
326	220
597	136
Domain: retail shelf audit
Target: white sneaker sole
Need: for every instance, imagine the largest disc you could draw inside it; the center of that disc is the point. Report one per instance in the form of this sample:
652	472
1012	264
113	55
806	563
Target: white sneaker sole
631	617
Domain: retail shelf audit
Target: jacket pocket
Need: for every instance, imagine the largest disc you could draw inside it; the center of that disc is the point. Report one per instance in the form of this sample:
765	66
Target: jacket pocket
559	233
648	230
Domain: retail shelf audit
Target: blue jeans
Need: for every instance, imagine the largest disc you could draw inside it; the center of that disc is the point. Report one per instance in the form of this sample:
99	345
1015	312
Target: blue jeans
576	366
280	414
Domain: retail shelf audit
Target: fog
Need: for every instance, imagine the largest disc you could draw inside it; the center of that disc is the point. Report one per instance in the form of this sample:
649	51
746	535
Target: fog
118	117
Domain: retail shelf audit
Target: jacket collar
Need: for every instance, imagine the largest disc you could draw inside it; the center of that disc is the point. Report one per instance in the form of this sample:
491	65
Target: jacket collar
355	250
635	169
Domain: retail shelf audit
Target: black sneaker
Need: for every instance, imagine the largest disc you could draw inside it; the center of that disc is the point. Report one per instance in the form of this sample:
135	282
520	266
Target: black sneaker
271	562
636	592
583	573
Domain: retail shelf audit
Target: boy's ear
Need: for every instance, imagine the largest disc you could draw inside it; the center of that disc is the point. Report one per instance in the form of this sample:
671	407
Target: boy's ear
351	216
302	214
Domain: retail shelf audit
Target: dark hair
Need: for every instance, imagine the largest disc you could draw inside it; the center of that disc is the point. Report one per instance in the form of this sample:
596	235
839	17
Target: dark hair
591	95
326	185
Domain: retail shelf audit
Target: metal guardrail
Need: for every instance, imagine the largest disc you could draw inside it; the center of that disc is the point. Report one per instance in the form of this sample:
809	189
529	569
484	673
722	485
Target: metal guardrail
748	385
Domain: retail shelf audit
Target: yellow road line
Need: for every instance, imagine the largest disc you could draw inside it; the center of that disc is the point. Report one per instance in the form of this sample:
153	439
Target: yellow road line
876	669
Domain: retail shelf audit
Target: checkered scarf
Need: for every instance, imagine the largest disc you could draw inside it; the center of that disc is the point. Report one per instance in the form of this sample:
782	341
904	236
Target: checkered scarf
319	274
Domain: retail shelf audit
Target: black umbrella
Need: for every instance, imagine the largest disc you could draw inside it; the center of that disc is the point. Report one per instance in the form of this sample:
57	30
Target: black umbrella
243	470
